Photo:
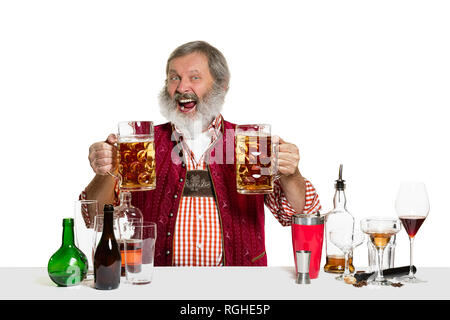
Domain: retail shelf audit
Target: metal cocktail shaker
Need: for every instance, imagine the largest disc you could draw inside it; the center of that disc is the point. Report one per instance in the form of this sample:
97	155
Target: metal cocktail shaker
307	235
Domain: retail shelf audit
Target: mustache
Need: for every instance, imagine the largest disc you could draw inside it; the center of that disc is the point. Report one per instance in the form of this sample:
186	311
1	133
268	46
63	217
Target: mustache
188	95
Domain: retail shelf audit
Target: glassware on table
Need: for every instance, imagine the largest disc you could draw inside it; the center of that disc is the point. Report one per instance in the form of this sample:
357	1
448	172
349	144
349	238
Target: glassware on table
346	240
139	251
68	266
125	213
256	159
131	232
380	231
98	230
388	255
412	208
136	156
107	258
338	218
84	217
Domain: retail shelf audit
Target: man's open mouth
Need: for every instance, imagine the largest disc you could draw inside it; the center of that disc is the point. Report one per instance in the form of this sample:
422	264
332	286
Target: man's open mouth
187	105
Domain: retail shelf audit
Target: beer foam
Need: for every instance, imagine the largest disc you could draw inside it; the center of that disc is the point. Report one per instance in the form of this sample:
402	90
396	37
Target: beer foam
136	138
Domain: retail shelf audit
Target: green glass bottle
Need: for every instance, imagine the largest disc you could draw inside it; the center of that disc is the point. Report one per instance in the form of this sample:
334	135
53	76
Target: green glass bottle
68	266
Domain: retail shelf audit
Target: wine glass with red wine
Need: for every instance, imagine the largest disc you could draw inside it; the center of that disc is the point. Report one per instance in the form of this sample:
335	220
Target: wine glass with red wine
412	208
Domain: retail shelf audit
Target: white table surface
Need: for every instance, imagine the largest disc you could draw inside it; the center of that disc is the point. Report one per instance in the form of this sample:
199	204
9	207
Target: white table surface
222	283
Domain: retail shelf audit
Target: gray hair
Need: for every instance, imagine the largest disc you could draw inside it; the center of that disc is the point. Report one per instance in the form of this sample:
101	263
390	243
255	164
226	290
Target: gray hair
217	63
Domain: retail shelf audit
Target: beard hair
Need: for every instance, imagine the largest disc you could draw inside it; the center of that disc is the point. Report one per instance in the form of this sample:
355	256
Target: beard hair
207	109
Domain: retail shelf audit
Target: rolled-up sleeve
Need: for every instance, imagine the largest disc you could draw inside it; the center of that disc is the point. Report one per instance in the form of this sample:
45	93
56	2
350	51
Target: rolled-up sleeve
281	208
84	211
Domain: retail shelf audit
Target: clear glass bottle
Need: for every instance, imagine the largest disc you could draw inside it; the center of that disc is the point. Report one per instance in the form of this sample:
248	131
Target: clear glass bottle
67	266
126	213
338	218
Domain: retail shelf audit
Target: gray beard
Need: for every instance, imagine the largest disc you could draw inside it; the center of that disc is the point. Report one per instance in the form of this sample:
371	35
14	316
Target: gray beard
207	109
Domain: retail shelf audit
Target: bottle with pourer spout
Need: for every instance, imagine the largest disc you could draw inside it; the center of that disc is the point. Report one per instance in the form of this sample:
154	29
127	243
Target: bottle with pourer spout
338	218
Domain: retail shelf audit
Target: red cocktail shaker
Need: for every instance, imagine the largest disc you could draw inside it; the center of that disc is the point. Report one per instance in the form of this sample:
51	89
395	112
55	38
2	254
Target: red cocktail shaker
307	234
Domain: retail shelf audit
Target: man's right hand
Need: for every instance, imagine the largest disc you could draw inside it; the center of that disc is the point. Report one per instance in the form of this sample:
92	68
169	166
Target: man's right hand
103	155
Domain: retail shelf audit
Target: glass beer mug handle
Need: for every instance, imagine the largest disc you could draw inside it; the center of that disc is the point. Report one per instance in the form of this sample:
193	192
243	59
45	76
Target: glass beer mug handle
275	147
116	175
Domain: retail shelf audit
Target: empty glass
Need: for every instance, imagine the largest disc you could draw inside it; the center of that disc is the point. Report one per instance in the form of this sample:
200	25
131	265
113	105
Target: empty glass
346	240
85	213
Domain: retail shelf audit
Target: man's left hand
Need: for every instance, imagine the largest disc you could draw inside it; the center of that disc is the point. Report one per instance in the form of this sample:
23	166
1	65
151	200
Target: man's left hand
292	182
288	158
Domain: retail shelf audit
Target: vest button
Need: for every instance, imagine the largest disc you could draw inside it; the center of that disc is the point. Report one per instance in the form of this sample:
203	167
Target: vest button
175	196
181	179
168	234
171	214
167	252
183	165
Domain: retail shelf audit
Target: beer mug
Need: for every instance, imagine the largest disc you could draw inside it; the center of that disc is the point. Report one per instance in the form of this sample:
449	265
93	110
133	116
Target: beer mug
136	156
256	159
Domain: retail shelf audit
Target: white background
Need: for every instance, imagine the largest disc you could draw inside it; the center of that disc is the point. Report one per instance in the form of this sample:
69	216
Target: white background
362	83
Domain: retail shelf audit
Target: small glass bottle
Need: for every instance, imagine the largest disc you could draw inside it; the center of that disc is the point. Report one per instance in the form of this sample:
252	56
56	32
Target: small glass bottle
338	218
107	259
68	266
126	213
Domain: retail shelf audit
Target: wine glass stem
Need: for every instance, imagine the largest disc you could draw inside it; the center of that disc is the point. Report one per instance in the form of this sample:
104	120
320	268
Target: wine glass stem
346	271
411	273
380	276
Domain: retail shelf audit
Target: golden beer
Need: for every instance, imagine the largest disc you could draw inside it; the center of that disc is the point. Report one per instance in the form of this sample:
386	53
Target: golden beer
137	166
254	162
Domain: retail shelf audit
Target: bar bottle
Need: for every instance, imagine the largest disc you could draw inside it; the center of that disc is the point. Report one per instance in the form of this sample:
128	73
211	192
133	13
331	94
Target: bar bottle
337	218
68	265
107	259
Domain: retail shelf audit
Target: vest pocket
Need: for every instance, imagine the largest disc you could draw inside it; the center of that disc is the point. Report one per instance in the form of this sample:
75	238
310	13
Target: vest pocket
259	256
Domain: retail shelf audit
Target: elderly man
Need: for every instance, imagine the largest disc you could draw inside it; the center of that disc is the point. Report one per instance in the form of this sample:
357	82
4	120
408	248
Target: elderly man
222	228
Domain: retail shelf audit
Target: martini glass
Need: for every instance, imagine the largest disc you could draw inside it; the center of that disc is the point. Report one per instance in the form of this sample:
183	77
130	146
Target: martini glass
380	231
412	208
346	240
